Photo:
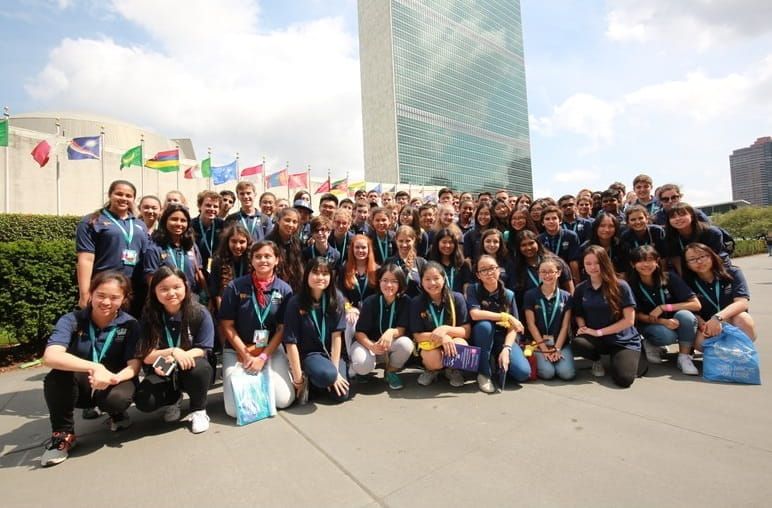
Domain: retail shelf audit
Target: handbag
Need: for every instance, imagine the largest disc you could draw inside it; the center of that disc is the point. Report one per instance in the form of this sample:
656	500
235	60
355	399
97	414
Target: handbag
730	357
253	394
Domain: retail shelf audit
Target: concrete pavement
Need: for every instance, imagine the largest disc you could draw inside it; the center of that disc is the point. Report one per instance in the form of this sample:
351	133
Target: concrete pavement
669	440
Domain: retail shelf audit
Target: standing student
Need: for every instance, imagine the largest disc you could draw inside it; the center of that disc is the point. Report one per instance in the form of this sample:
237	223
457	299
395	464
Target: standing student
535	212
381	329
664	314
180	331
605	233
408	260
578	224
408	216
314	323
438	321
91	356
231	261
380	235
254	221
548	315
684	227
493	245
465	220
447	252
361	225
519	220
495	325
227	199
523	202
604	310
305	212
357	282
175	197
482	221
668	195
530	255
501	213
341	236
207	228
640	232
267	203
320	233
284	234
150	212
561	242
642	186
252	317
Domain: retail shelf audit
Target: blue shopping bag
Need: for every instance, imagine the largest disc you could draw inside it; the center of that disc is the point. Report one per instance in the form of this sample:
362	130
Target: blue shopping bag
253	395
730	357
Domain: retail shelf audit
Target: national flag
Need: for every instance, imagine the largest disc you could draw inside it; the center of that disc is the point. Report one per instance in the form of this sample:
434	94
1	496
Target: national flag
4	132
165	162
41	152
193	172
378	188
393	188
133	157
87	147
325	187
253	170
355	186
298	180
277	179
206	167
341	185
222	174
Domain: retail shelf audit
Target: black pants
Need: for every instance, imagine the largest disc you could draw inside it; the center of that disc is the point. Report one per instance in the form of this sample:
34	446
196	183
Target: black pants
626	364
156	391
64	391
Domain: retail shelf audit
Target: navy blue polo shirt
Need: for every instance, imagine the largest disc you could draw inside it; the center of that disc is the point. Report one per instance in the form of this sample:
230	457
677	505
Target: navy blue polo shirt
413	276
581	226
203	338
105	239
72	332
675	291
616	253
564	245
654	236
727	290
239	268
660	218
376	317
300	329
237	306
590	304
472	246
258	224
423	246
421	319
712	237
189	262
457	277
332	255
542	306
532	280
383	248
341	246
207	238
361	290
477	297
361	229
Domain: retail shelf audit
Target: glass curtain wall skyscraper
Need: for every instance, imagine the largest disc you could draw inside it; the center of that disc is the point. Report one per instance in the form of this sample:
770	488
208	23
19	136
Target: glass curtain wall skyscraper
443	94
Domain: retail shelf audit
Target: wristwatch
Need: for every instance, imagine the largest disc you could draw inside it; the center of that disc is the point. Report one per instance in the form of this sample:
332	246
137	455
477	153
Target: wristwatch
718	318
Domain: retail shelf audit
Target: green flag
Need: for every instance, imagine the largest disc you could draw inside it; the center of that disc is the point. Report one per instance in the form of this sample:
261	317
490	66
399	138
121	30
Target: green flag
206	167
4	132
133	157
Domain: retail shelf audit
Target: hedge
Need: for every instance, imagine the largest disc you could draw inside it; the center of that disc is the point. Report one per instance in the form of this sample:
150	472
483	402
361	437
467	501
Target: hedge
39	286
15	226
749	248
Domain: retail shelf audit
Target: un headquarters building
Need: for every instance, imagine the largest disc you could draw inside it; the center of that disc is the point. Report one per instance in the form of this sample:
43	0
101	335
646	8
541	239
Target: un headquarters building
443	94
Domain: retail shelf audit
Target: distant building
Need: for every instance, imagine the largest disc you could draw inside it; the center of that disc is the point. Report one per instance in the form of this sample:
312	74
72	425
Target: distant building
443	94
751	170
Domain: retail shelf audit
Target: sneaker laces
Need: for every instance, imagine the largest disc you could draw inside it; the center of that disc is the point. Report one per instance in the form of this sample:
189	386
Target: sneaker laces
60	440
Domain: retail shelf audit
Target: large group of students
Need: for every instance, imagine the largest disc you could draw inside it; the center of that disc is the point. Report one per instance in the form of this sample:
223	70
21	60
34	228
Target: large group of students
389	280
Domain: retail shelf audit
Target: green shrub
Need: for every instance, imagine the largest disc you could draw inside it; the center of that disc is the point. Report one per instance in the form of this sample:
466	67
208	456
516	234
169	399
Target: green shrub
15	226
38	286
749	248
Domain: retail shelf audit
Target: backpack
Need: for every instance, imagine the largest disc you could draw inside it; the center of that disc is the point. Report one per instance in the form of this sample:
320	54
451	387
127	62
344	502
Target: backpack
727	240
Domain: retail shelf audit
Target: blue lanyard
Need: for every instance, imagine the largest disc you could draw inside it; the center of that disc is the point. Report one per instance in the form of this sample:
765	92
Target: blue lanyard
544	302
168	334
97	356
252	221
383	246
716	289
261	312
648	296
126	236
651	240
380	314
181	264
210	245
450	275
533	278
342	248
556	248
438	320
361	288
321	330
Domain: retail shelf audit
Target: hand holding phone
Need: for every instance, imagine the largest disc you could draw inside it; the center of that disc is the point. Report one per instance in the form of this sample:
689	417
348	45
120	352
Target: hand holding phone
163	367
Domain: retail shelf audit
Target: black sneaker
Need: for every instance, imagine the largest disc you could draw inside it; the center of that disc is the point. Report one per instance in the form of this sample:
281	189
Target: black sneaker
91	413
58	449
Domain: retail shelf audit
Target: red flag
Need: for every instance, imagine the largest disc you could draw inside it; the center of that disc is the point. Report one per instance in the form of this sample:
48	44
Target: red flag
325	187
41	152
298	180
189	173
254	170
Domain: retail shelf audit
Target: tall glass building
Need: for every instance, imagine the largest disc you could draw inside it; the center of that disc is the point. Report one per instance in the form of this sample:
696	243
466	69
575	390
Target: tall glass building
443	94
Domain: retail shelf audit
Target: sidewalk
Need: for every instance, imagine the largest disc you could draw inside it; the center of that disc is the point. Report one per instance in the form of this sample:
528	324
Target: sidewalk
669	440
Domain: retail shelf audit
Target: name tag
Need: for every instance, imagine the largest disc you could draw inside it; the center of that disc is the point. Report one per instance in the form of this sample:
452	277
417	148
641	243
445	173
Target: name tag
129	257
260	338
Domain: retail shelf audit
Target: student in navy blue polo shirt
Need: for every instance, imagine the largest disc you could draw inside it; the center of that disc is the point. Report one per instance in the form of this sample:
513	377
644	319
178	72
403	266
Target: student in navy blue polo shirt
285	235
207	228
495	325
408	259
605	233
438	321
91	356
257	223
320	233
684	227
604	309
482	221
231	261
252	317
722	291
341	236
380	235
640	232
447	252
313	334
579	225
179	330
111	238
548	316
356	282
530	253
562	242
381	328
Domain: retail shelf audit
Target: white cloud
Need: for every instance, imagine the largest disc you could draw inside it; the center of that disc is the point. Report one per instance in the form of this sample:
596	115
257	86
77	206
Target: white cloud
582	114
290	94
576	175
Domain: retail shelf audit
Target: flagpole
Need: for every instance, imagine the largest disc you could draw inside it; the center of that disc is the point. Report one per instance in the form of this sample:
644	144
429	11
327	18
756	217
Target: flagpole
178	167
142	162
329	182
286	167
102	158
209	179
262	175
238	176
58	173
7	170
308	179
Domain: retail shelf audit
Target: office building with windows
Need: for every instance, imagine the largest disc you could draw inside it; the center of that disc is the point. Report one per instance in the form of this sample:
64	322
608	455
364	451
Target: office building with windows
751	170
443	94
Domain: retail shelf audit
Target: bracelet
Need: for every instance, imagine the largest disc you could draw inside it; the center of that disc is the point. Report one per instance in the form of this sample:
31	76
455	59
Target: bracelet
263	357
669	307
347	307
504	317
507	346
599	332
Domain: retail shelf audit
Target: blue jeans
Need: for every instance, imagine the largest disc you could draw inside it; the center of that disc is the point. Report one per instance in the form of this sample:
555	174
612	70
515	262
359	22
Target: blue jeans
661	335
490	341
563	368
322	374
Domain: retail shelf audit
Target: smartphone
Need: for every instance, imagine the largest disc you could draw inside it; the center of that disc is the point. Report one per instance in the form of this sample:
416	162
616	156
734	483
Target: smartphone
166	367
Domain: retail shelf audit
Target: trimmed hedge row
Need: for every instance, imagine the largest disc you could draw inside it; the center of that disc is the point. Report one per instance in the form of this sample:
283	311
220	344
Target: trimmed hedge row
749	248
15	226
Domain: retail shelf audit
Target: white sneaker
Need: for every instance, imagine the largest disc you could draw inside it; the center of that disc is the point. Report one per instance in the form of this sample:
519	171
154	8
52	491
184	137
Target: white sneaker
427	377
597	369
455	378
686	365
485	384
199	421
172	412
652	352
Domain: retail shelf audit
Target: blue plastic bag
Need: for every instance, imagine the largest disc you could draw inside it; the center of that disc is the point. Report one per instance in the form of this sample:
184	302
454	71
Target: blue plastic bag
253	395
730	357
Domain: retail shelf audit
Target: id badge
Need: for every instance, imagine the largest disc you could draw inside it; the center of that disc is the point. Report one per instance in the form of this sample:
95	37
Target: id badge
209	265
261	338
129	257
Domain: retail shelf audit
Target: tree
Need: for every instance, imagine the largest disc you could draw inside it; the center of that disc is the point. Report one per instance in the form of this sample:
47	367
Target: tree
746	222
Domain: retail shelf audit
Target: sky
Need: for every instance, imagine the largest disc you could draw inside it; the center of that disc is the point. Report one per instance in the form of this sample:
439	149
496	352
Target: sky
615	88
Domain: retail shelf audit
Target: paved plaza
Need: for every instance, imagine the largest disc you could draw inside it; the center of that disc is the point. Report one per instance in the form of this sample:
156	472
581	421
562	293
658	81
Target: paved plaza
669	440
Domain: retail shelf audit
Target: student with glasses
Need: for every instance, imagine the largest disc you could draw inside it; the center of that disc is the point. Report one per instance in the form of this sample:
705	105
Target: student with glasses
668	195
320	233
571	221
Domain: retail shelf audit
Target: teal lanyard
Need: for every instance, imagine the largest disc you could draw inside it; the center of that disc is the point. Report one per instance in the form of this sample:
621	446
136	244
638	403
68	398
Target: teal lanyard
555	306
209	245
383	246
556	248
342	248
261	312
97	356
380	314
450	275
716	290
648	296
321	330
651	240
172	344
127	236
438	320
181	264
361	288
533	277
252	221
